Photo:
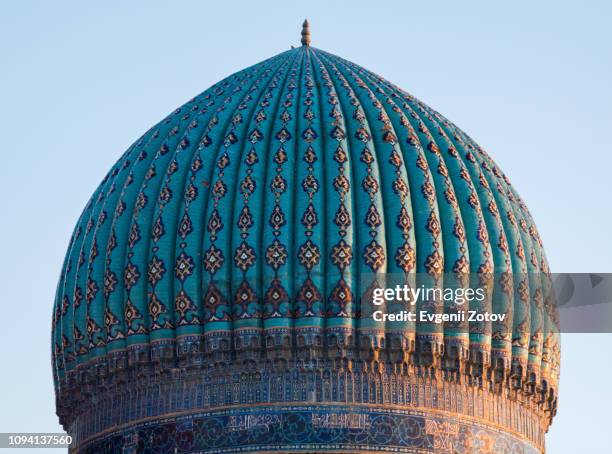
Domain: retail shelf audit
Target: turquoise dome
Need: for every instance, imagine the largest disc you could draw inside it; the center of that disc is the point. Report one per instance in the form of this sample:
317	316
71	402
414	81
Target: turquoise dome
239	227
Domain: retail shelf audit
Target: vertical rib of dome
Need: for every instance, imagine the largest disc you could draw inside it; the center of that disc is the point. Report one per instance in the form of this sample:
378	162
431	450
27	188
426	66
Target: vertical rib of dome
277	245
311	217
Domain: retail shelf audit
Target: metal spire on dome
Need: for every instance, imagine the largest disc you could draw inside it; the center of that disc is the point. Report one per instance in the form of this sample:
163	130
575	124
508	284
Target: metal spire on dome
306	33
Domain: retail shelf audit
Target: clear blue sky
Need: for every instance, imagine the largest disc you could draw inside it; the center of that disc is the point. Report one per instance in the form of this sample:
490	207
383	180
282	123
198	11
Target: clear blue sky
530	81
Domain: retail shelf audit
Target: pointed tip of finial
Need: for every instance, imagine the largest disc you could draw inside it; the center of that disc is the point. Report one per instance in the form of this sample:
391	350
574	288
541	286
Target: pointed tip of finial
305	33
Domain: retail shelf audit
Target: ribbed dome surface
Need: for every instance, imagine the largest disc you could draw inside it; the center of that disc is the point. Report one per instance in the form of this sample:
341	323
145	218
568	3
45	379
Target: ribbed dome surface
244	221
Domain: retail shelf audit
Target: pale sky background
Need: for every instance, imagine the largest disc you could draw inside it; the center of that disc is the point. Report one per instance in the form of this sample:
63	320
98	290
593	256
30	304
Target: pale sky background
529	80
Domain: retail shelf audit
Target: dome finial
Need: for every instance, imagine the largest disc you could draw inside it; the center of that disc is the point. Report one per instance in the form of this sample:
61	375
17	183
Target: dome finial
306	33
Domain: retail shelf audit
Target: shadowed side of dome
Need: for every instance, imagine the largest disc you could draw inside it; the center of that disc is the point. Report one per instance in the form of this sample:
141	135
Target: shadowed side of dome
221	261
